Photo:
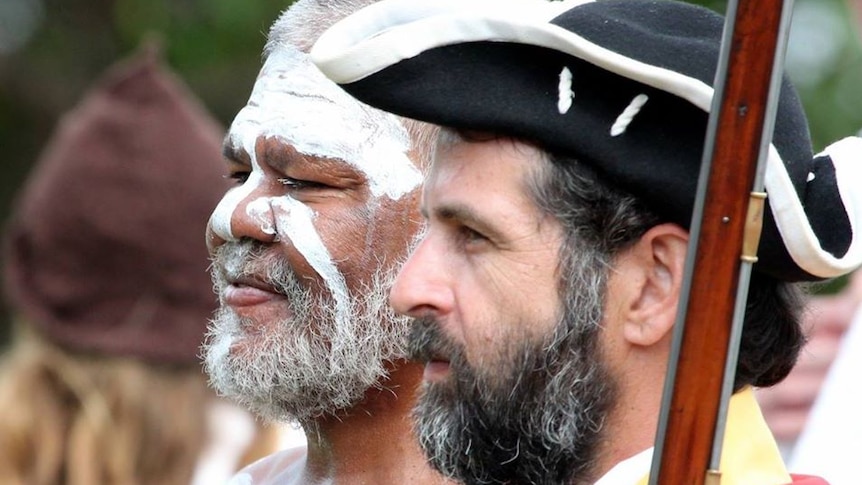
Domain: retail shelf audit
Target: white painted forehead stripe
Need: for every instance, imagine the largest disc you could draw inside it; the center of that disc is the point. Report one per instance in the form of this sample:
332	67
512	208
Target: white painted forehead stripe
319	119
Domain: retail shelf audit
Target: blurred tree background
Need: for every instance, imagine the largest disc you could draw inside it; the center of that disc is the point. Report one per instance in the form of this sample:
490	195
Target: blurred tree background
824	60
52	50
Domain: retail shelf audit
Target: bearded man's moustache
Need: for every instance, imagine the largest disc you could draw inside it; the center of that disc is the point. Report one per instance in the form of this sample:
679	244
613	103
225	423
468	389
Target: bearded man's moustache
428	342
235	259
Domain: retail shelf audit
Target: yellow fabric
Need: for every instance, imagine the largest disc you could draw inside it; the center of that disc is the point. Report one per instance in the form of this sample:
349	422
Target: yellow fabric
750	455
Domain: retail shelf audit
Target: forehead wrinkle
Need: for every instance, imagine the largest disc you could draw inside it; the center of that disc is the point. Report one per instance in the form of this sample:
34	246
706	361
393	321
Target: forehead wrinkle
284	155
456	212
313	95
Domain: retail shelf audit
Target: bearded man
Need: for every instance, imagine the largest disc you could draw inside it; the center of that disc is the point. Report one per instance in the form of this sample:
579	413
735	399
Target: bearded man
558	204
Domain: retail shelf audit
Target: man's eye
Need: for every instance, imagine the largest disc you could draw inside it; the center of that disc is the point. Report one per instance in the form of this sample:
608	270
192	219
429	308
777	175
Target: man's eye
296	184
470	235
239	177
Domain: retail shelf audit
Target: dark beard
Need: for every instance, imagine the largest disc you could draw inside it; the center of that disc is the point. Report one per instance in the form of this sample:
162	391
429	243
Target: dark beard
536	418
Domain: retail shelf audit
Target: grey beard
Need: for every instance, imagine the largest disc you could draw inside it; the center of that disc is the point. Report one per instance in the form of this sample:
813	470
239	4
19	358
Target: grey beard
534	416
314	364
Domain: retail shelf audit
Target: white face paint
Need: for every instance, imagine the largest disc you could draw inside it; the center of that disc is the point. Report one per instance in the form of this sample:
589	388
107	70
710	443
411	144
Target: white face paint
297	104
295	219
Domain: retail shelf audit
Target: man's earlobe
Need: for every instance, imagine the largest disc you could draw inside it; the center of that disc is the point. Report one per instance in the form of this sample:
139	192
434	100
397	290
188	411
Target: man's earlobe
660	254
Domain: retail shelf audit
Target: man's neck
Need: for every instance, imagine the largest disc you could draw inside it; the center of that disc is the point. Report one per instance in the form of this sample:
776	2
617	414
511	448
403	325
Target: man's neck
749	453
373	442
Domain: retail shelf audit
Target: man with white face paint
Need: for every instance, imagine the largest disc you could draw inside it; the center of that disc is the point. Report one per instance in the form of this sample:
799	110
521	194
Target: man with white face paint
304	250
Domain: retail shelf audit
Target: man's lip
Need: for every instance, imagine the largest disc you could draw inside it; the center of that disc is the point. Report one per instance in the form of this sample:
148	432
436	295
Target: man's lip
436	370
243	292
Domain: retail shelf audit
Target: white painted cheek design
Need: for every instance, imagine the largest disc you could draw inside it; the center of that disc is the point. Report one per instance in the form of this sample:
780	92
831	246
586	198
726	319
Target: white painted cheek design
243	132
260	211
295	221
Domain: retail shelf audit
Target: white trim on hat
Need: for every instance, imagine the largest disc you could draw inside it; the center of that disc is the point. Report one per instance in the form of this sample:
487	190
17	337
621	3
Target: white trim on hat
790	218
391	31
356	33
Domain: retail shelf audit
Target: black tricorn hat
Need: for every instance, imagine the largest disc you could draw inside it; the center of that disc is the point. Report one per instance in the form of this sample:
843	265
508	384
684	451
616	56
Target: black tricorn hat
622	85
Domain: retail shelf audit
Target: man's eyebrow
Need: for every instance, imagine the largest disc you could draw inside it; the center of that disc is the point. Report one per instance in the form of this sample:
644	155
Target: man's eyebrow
234	153
466	215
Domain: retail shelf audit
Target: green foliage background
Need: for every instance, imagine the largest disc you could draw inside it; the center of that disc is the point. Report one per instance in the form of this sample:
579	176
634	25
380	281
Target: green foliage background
215	46
824	60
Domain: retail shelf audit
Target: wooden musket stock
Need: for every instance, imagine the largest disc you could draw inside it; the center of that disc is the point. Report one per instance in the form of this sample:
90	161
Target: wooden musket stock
706	335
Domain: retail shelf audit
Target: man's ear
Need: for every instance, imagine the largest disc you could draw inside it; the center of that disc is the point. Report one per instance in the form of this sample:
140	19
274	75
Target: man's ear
658	260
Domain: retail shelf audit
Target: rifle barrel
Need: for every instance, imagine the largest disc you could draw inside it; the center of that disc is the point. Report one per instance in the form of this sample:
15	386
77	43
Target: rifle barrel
706	336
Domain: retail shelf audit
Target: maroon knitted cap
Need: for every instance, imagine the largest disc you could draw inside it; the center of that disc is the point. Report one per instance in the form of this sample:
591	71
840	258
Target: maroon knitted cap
105	249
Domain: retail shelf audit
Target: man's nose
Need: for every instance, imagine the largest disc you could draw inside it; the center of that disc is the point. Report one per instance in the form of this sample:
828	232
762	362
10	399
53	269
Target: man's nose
244	212
423	284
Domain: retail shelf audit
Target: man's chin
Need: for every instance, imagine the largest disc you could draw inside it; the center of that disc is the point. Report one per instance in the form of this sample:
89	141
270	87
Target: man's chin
224	354
243	347
232	335
216	353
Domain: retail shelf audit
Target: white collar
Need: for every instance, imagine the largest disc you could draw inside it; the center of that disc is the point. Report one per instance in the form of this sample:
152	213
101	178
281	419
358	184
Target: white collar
628	471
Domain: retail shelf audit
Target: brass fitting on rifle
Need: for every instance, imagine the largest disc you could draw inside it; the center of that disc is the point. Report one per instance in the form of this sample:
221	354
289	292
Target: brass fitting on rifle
753	226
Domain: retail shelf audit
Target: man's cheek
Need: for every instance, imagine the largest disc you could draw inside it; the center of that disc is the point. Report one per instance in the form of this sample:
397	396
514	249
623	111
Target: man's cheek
296	225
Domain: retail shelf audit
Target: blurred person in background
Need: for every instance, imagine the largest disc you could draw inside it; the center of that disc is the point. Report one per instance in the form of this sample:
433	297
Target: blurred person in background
787	406
106	271
831	438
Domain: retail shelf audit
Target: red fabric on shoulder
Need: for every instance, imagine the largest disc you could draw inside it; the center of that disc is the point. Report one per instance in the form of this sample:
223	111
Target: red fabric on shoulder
807	480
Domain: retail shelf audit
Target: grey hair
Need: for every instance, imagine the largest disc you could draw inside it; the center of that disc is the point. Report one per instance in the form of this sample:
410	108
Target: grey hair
304	21
598	223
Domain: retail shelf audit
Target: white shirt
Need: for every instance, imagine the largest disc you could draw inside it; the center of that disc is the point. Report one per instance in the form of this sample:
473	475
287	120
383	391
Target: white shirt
628	471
